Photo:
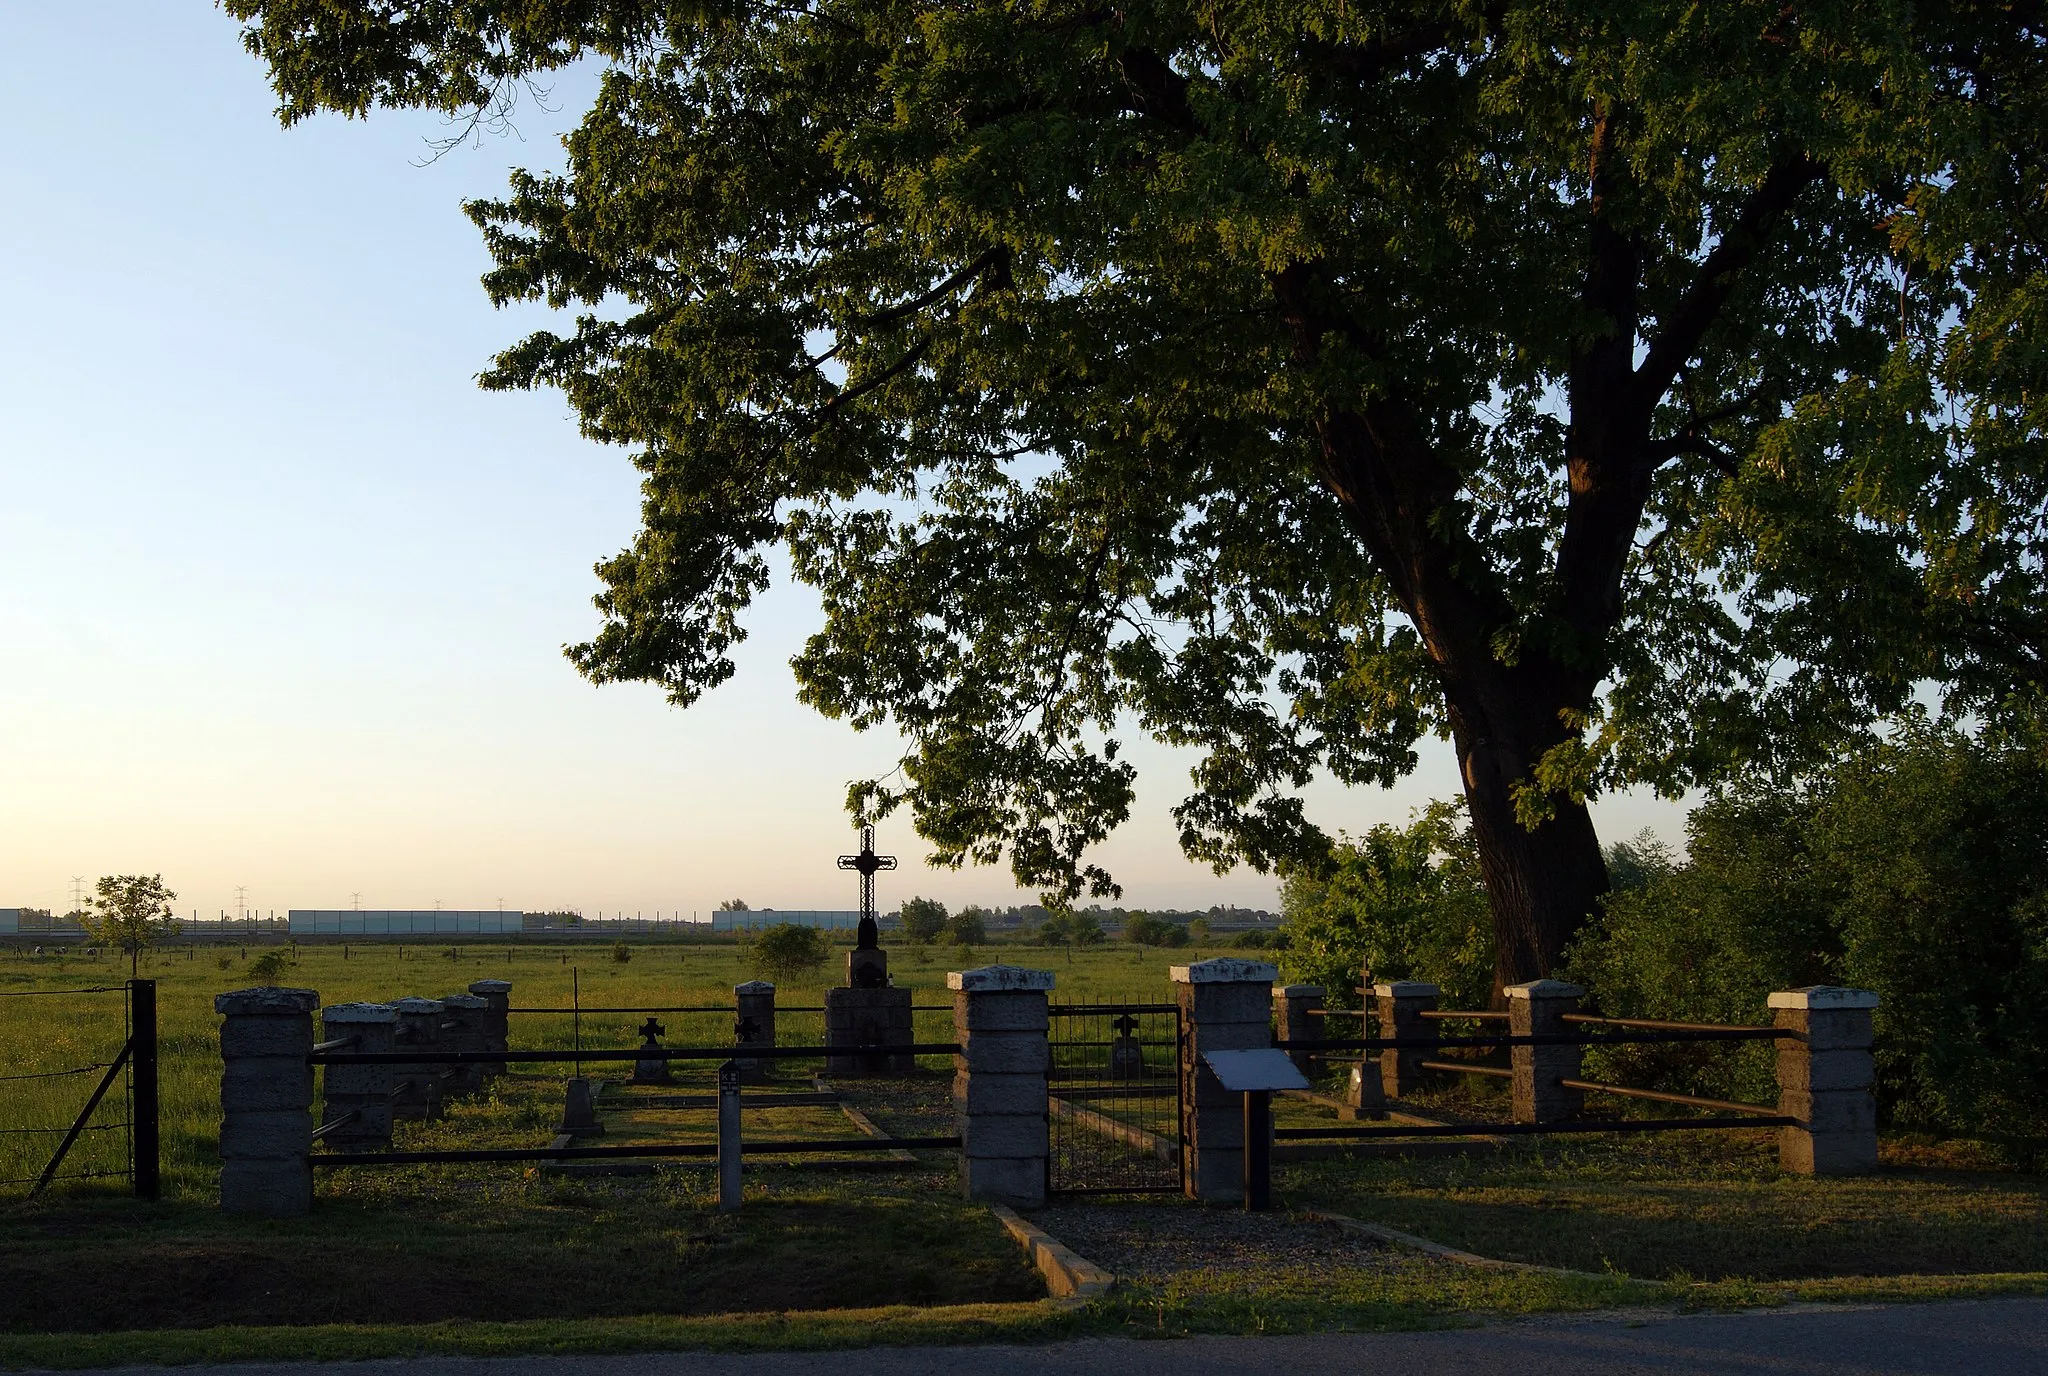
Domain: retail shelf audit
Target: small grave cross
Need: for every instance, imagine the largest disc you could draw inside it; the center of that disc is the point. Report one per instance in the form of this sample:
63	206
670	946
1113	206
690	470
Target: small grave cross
745	1030
1126	1025
652	1029
867	862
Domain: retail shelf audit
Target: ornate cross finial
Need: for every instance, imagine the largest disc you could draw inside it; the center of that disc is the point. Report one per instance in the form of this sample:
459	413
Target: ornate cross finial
867	862
652	1029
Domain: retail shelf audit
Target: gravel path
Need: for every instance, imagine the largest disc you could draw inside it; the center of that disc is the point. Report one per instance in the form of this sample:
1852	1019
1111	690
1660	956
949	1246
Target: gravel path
1156	1242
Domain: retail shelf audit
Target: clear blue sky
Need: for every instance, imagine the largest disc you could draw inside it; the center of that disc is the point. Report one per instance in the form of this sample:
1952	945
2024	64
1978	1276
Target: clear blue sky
282	593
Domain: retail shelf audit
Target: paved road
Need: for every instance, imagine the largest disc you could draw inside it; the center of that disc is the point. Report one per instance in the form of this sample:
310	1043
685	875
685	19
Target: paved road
1968	1338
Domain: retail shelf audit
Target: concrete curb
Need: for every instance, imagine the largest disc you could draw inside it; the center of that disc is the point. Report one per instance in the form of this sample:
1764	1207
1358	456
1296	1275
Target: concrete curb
1069	1277
1437	1249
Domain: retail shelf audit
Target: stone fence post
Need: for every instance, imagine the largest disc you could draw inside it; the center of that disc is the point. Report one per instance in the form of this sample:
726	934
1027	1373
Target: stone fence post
417	1088
1001	1021
497	997
1401	1006
469	1014
1225	1005
753	1024
266	1101
1825	1079
1537	1009
1295	1010
364	1090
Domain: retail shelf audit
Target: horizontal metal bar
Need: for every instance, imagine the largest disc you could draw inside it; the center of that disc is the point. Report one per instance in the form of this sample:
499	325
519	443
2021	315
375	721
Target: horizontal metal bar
1659	1096
337	1124
1527	1129
1724	1034
1662	1026
48	993
1469	1068
1090	1009
674	1053
718	1008
53	1074
675	1149
1115	1189
339	1043
1452	1015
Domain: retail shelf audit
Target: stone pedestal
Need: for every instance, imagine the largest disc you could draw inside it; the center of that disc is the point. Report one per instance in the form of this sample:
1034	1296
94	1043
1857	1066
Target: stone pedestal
1537	1009
497	997
868	1017
465	1028
364	1090
579	1111
1295	1010
753	1025
867	967
1225	1005
1401	1005
1001	1022
416	1091
266	1101
1825	1075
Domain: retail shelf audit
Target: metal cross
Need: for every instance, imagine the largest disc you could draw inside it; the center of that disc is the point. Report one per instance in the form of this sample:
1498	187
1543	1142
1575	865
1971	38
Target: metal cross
1125	1025
652	1029
867	862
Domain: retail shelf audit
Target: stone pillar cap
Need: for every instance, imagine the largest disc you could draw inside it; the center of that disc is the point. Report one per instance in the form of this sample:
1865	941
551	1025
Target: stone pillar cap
463	1001
360	1012
754	986
265	1001
1820	996
1300	991
1224	970
1544	989
416	1005
1407	989
998	979
491	986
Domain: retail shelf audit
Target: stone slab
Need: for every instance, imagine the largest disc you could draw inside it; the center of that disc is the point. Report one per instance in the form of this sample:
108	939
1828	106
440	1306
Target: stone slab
1225	970
1820	996
994	979
266	1001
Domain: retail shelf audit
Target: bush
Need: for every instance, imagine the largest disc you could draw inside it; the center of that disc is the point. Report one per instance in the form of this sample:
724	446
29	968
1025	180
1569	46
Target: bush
269	967
967	928
923	919
1142	929
1400	902
1918	869
621	953
1254	940
787	951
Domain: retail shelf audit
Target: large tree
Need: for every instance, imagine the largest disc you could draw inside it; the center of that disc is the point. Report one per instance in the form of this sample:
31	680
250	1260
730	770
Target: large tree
1572	380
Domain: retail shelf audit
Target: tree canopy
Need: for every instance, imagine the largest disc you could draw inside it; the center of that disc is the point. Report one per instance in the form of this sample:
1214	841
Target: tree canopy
130	912
1625	390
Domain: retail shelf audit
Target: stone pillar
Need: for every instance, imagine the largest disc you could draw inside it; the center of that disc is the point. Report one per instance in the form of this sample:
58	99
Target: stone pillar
754	1025
266	1101
417	1088
364	1090
1401	1006
1537	1009
497	997
469	1014
1825	1075
868	1017
1225	1005
1295	1013
1001	1021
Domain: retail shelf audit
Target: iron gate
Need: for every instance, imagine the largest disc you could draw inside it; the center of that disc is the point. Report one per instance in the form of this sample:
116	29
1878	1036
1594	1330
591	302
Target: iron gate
1115	1110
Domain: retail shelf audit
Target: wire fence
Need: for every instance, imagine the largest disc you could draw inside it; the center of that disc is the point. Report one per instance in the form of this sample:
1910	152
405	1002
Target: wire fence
58	1123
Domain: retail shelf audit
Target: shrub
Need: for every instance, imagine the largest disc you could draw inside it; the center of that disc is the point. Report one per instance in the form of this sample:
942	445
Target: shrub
967	928
923	919
1400	902
787	951
1143	929
621	953
1918	869
1254	940
269	967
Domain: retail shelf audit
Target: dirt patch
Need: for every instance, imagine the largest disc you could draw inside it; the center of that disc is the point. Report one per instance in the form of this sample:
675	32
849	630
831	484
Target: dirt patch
1155	1243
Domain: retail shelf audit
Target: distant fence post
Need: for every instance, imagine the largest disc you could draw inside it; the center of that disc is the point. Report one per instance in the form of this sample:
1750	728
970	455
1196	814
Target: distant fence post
497	997
469	1013
1825	1078
753	1024
416	1094
364	1090
266	1101
1294	1012
1002	1024
1537	1009
1225	1005
1401	1006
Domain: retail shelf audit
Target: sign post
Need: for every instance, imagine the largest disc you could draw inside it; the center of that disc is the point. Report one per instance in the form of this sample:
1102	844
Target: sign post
1256	1074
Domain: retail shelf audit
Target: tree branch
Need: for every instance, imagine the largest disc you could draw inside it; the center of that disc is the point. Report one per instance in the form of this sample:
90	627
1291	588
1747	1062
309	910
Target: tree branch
989	256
